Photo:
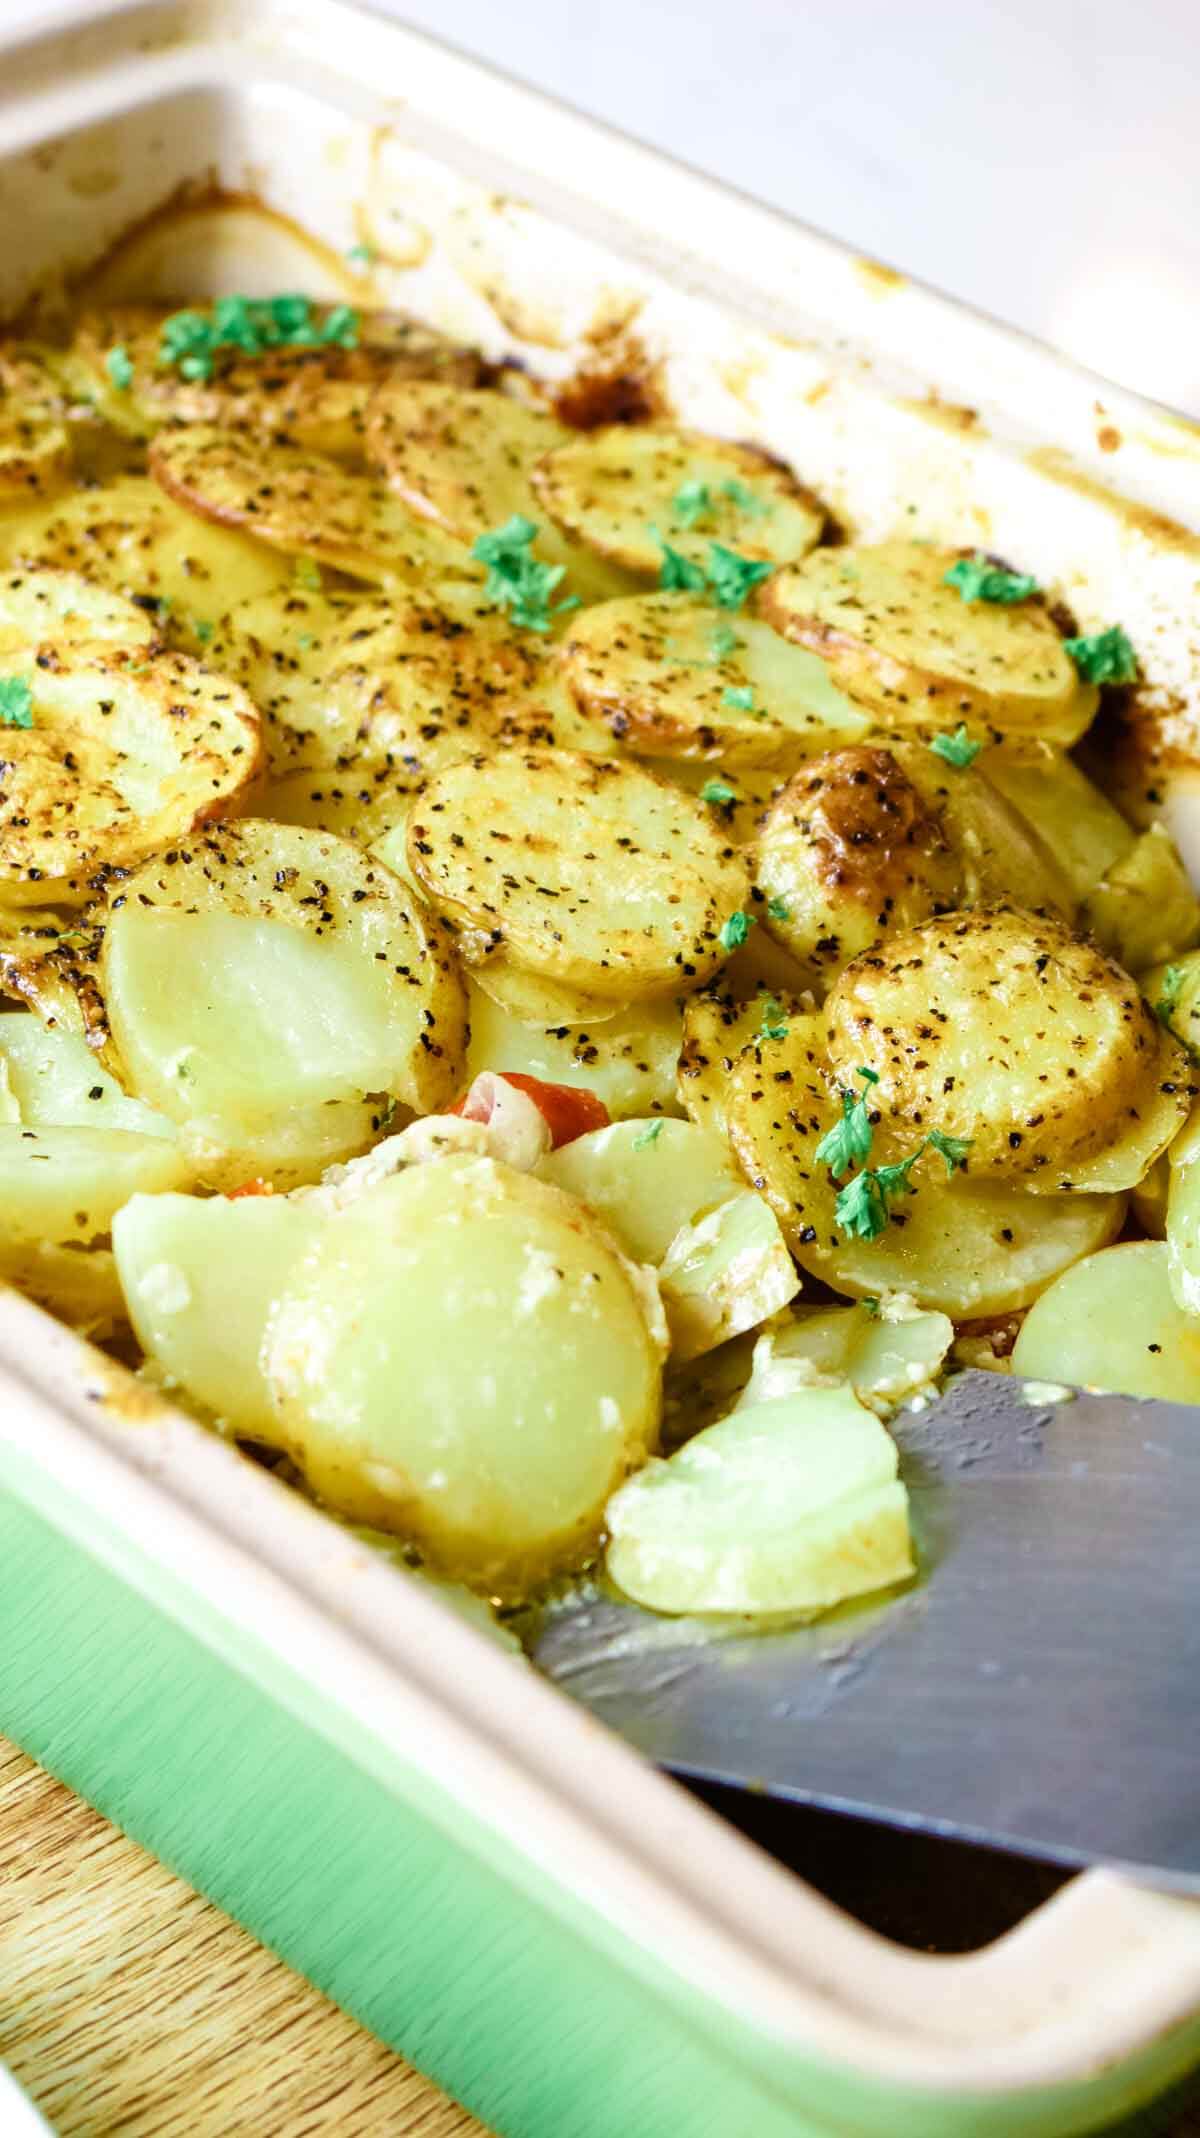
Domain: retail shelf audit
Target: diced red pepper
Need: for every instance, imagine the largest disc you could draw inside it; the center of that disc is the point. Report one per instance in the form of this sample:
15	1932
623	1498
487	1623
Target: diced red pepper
566	1111
250	1187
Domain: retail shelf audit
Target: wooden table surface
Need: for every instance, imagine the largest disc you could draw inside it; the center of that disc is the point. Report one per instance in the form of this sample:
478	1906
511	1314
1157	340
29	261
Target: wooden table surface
130	2006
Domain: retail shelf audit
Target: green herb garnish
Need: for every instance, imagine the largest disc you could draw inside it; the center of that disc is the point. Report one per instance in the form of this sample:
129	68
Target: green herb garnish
863	1205
871	1307
253	326
677	574
957	748
861	1208
953	1149
715	790
306	572
516	579
16	702
202	629
778	909
848	1142
724	641
977	580
691	502
119	366
774	1024
741	700
1172	987
730	576
361	255
735	930
647	1135
1105	657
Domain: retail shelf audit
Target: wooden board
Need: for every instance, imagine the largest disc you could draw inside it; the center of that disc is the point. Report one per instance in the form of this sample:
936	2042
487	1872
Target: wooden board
128	2005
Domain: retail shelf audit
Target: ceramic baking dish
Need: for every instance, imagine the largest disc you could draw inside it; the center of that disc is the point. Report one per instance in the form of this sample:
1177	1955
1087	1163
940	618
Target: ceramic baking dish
458	1855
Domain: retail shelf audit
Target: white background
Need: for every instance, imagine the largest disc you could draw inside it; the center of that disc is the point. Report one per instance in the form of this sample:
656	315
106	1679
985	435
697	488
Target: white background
1040	158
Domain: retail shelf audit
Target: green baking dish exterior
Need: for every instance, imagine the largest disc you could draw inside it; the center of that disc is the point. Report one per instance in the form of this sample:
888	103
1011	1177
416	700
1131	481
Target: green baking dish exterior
440	1939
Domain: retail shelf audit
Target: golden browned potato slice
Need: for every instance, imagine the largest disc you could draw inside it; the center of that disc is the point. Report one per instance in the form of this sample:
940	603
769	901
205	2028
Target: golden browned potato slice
304	504
264	965
673	679
408	680
1082	829
966	1247
535	999
583	869
612	488
131	539
36	456
53	609
626	1057
716	1029
867	840
898	639
317	397
124	753
360	803
1144	908
1002	1028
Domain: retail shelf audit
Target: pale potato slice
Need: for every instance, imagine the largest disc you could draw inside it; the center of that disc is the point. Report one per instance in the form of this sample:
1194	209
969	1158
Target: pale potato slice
1182	1231
589	871
64	1184
304	504
464	460
958	1246
1002	1028
887	1350
1144	910
610	488
462	1357
627	1059
266	967
200	1278
533	999
717	1025
56	1081
56	609
126	751
1111	1323
1085	833
646	1180
1173	992
79	1284
723	1274
406	681
898	639
131	539
315	396
864	841
658	669
784	1509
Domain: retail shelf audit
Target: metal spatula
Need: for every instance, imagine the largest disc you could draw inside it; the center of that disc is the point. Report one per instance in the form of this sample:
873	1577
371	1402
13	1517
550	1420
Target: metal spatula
1038	1688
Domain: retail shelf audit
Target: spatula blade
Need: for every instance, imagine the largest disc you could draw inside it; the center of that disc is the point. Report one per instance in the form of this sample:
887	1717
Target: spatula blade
1037	1688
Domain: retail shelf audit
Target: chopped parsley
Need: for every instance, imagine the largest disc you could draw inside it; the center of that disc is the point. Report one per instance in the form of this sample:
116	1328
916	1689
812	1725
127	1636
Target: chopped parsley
307	573
202	629
677	574
848	1142
953	1149
861	1209
692	502
119	366
956	748
361	255
1105	657
1172	987
774	1023
253	326
871	1307
731	576
715	790
745	500
735	930
724	641
977	580
649	1134
516	579
741	700
778	909
16	702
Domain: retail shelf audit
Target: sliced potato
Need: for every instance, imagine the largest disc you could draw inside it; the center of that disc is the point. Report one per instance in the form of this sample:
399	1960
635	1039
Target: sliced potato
898	639
133	540
123	755
647	1180
788	1508
589	871
56	1081
1002	1028
611	488
655	669
1112	1323
627	1059
1173	992
1144	909
724	1274
887	1351
406	681
1182	1230
1073	819
304	504
716	1027
194	1269
79	1284
53	609
1148	1201
268	967
63	1184
463	1358
316	396
35	442
958	1246
362	804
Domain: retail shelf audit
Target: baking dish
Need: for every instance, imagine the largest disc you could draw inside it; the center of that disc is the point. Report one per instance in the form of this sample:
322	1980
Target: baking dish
460	1857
